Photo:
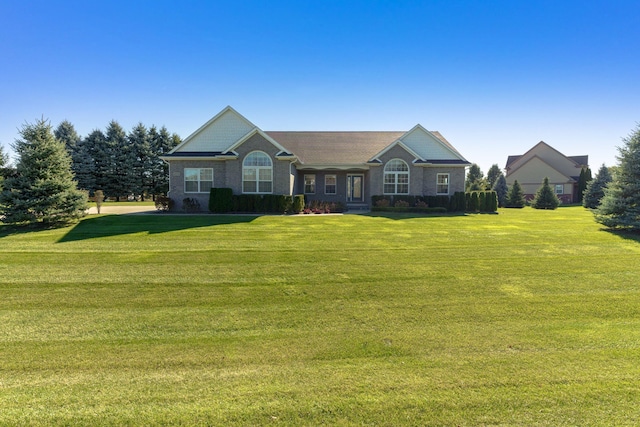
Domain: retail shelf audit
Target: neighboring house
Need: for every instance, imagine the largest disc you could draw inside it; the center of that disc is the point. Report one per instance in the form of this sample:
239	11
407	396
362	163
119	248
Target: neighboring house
348	167
541	161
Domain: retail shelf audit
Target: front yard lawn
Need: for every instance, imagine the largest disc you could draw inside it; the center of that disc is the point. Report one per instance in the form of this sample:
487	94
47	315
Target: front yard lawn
523	318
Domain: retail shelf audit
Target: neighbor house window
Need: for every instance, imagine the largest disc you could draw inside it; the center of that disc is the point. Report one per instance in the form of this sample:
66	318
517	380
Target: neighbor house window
198	180
330	182
309	184
442	183
396	177
559	189
257	173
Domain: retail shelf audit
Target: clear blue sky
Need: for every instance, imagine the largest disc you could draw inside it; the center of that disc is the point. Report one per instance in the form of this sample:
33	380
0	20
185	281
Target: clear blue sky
494	77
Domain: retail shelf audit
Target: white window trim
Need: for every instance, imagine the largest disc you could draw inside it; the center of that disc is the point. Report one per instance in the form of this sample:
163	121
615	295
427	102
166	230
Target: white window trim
448	183
313	177
257	170
561	189
199	181
335	184
395	174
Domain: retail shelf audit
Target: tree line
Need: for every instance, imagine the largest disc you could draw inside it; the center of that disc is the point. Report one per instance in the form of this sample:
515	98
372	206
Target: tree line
120	164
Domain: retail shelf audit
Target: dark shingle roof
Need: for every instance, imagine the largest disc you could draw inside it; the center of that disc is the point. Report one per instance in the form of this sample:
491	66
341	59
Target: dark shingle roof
334	147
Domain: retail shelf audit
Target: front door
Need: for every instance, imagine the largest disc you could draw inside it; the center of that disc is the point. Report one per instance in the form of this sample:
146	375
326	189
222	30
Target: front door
355	188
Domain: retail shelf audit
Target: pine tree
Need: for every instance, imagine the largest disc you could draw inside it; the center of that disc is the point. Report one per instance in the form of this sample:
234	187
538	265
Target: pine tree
595	188
141	160
4	160
96	148
66	133
545	197
501	189
515	197
118	182
161	143
620	206
84	166
493	175
43	190
583	181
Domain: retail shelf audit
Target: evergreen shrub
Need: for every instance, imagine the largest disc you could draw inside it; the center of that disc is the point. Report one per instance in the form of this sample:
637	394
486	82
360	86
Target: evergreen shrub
221	200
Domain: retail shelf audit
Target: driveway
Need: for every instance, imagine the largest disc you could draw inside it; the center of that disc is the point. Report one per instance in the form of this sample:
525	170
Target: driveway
122	210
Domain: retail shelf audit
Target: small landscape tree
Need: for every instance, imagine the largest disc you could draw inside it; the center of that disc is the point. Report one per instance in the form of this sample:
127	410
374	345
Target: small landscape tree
545	198
515	197
42	191
501	189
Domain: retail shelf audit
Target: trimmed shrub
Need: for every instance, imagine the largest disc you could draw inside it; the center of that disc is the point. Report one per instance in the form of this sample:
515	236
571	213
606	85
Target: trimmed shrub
381	203
221	200
458	202
164	204
190	205
492	201
298	203
474	202
482	201
285	204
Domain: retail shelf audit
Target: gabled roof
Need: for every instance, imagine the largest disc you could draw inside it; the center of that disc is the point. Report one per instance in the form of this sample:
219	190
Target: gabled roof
227	130
514	162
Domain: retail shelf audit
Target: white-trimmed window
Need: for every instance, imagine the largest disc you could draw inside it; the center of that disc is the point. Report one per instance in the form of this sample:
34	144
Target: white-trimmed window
559	189
257	173
396	177
309	184
330	184
442	183
198	180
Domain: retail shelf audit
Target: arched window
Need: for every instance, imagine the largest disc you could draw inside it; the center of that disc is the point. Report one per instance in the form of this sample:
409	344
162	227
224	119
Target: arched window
257	173
396	177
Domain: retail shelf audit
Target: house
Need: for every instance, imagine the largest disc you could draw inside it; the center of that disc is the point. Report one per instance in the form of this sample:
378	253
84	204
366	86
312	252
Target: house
348	167
541	161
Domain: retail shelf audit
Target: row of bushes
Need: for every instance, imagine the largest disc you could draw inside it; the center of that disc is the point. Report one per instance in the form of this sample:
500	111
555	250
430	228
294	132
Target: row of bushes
454	203
222	200
481	201
475	201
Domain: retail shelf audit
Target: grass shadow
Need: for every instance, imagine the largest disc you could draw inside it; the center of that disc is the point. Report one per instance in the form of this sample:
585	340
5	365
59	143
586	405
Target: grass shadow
95	227
624	234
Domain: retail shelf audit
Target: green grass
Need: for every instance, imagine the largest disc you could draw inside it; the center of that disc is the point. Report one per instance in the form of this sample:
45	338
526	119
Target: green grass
523	318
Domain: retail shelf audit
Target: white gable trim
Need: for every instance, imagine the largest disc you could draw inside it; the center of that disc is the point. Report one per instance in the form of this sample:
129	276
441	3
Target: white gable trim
228	108
257	130
401	145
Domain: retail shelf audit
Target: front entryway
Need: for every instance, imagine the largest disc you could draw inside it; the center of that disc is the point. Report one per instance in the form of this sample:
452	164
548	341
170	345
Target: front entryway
355	188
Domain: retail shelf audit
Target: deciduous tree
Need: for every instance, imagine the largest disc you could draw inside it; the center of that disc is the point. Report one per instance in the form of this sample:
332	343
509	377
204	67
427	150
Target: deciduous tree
475	179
